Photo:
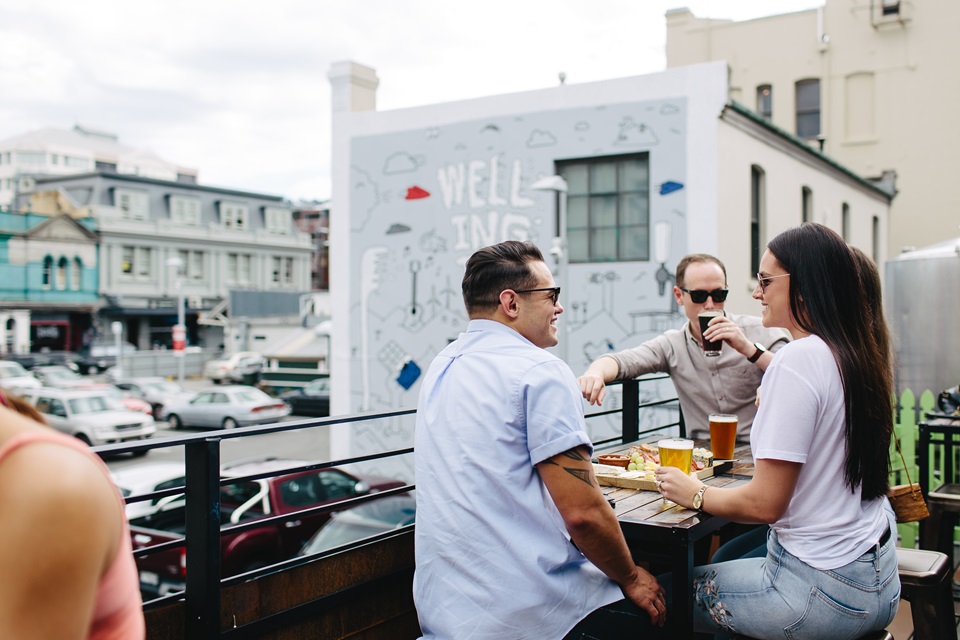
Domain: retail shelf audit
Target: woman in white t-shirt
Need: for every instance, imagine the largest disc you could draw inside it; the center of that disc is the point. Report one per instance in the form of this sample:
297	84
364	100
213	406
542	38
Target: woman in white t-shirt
820	443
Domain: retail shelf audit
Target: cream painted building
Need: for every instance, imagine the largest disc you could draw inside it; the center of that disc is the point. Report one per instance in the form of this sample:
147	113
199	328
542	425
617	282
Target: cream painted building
873	81
657	166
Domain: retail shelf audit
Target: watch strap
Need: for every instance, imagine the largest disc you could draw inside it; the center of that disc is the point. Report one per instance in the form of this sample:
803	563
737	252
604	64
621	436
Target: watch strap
756	354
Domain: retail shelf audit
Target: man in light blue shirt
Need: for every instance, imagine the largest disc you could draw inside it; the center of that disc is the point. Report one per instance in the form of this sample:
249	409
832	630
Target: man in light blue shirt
514	538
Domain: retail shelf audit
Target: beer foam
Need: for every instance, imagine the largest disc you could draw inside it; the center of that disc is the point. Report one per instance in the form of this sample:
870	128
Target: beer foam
676	443
722	418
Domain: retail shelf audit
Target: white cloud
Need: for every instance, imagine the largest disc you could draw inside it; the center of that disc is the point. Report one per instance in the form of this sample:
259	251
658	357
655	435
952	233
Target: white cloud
238	89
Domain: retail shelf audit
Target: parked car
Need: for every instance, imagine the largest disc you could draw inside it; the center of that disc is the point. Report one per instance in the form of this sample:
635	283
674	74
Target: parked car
226	408
100	356
164	572
120	397
363	521
313	399
147	477
13	377
158	391
46	358
59	376
90	416
238	367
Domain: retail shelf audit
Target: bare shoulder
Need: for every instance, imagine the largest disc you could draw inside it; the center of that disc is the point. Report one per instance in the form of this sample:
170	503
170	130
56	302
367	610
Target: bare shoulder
49	484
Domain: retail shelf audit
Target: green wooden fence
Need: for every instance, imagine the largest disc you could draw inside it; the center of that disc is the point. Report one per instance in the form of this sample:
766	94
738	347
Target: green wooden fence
905	420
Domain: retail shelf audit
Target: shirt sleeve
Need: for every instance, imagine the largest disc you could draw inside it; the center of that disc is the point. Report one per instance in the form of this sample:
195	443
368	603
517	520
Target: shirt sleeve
553	406
786	420
649	357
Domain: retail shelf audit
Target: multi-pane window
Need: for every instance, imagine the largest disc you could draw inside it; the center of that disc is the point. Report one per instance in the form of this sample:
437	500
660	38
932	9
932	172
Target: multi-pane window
62	274
46	277
76	274
806	213
31	157
185	211
238	268
808	108
136	261
765	101
76	163
282	271
192	262
757	211
277	220
608	208
233	215
132	204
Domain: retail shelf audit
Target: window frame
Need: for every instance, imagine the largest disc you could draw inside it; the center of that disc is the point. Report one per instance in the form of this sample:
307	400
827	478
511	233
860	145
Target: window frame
277	220
234	215
594	197
137	206
185	211
766	97
802	112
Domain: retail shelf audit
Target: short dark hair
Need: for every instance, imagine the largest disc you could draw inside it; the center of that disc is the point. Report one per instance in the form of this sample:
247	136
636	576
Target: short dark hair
492	269
691	258
835	294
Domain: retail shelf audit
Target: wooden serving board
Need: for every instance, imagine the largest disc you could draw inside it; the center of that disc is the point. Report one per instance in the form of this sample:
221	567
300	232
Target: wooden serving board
650	485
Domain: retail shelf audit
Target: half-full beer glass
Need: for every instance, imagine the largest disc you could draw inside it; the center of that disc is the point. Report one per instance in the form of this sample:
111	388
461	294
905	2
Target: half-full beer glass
711	349
723	435
676	452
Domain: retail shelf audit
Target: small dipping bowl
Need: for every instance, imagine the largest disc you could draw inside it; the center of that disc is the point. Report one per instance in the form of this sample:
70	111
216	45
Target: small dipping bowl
614	459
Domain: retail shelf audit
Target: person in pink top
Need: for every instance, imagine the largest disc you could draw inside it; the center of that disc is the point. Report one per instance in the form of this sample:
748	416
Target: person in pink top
65	554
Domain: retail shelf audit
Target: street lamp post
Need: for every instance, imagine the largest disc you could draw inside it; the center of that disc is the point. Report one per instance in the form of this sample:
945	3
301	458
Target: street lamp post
559	249
180	330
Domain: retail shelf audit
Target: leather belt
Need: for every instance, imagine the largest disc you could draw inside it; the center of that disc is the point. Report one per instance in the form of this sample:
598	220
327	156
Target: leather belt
884	538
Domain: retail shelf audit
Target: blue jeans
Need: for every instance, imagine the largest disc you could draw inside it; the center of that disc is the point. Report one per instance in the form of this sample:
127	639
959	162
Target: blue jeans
780	596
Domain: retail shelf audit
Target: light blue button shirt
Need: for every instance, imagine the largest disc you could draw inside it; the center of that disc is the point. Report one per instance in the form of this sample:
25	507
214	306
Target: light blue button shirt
494	559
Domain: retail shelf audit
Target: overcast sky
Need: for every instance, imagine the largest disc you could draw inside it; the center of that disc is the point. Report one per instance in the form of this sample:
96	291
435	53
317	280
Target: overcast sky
238	89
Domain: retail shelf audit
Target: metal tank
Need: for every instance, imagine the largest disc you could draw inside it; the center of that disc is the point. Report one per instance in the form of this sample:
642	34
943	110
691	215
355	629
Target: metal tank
922	302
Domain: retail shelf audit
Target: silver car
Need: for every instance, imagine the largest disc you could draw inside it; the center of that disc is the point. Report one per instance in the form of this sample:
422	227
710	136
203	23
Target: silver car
226	408
13	377
159	392
90	416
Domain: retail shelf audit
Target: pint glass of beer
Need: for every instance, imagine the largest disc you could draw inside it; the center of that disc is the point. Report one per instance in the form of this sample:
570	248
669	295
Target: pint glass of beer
711	349
676	452
723	435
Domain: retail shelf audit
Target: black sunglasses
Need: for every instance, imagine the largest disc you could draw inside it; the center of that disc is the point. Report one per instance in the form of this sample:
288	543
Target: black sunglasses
699	296
554	290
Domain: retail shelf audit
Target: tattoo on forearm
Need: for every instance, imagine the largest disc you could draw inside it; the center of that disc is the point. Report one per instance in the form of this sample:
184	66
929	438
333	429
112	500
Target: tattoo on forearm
550	461
573	454
580	474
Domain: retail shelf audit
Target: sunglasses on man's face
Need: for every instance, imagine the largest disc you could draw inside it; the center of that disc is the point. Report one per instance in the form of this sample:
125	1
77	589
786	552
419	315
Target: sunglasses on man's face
699	296
555	291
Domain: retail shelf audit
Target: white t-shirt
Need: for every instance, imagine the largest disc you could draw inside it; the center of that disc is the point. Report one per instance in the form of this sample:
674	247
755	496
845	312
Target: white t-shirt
801	419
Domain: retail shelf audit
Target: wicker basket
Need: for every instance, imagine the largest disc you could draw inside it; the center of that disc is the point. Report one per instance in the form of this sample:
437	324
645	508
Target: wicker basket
907	499
907	502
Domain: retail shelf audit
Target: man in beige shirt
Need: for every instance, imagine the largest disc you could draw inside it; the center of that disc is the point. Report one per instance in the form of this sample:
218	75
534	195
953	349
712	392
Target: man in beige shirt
724	384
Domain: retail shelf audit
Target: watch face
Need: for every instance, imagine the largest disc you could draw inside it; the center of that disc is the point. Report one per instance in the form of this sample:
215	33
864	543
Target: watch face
697	501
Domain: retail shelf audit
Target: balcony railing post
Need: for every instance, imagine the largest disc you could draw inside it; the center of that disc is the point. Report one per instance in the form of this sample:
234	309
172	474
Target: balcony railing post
631	411
202	461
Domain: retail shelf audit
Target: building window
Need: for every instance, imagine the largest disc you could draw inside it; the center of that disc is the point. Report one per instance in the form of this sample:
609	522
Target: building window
238	268
136	261
757	211
76	274
244	273
76	163
277	220
765	101
890	7
845	222
233	215
288	271
806	206
875	248
62	274
132	204
46	276
608	208
282	271
192	262
37	158
185	211
54	158
231	268
808	108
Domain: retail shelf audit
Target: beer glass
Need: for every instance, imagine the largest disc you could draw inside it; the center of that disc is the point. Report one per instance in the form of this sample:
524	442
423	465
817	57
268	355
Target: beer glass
676	452
710	349
723	435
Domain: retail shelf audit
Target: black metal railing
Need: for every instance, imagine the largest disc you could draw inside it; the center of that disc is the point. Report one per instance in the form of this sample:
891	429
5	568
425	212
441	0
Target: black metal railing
202	496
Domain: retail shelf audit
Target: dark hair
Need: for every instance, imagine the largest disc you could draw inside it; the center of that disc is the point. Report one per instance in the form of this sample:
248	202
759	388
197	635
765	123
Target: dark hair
492	269
835	294
689	259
